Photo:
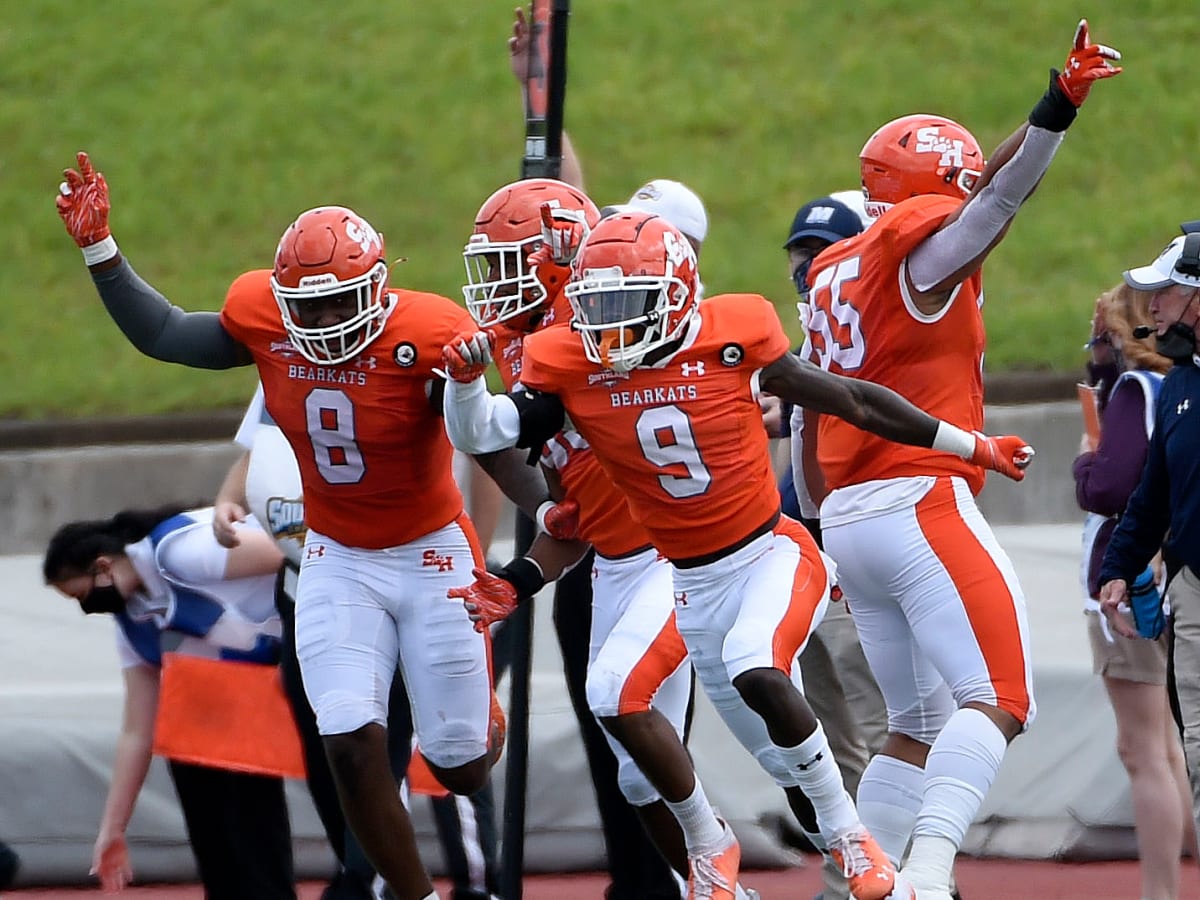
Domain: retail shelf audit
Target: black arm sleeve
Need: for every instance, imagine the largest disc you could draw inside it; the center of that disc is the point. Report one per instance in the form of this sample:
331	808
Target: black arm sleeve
164	331
542	417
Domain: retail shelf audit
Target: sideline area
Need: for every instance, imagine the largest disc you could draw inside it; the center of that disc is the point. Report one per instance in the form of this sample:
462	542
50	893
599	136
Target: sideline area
1061	792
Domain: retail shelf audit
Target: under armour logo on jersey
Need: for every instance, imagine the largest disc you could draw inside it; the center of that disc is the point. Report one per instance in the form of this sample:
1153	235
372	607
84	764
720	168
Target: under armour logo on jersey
367	362
692	368
681	598
313	551
433	558
1183	407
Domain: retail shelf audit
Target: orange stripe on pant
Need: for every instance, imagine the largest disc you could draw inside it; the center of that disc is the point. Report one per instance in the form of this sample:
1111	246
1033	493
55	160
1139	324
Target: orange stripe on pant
808	587
985	595
664	655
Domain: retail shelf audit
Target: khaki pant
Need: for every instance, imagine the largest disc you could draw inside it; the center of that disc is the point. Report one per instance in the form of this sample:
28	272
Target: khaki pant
1184	592
842	692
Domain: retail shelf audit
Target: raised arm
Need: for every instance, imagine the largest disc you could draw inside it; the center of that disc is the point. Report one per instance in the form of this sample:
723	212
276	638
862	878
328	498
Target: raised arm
962	243
571	171
150	322
882	411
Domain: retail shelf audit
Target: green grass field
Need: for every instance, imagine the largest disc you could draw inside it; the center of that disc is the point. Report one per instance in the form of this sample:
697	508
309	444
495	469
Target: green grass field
216	122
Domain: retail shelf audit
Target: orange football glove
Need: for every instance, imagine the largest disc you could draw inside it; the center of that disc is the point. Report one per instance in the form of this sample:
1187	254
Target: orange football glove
83	203
563	231
467	357
1007	454
488	600
1086	64
559	520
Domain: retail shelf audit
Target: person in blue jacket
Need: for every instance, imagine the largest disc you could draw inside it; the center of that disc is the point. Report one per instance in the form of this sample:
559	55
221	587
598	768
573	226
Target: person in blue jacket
1164	509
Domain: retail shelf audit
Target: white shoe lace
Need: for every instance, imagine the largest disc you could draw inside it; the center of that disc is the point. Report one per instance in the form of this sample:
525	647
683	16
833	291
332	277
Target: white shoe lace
850	847
705	877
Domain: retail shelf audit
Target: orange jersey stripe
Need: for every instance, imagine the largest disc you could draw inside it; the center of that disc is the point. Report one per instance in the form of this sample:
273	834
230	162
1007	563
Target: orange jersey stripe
984	593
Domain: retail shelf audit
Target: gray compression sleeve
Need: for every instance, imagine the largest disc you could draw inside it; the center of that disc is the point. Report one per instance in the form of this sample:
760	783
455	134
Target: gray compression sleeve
162	330
985	216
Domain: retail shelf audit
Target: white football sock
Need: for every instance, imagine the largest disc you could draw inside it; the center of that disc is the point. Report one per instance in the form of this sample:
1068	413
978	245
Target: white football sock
889	798
818	776
961	767
702	832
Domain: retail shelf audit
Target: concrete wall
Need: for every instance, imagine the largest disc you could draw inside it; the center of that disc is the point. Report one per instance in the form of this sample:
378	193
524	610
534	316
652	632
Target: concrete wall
41	489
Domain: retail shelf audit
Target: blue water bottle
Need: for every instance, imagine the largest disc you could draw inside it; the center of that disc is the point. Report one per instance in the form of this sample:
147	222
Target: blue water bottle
1146	604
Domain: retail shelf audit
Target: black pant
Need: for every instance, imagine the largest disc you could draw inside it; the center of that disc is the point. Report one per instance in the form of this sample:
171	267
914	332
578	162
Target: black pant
239	831
637	869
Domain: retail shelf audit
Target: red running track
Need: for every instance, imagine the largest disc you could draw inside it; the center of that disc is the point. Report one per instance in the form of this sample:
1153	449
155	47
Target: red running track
1001	879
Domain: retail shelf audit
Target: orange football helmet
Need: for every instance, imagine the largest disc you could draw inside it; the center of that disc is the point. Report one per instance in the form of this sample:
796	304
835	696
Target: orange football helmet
501	286
330	281
915	155
634	288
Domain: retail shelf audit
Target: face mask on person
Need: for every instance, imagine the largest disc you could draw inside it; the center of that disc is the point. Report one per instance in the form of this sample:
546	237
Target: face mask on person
102	599
1178	344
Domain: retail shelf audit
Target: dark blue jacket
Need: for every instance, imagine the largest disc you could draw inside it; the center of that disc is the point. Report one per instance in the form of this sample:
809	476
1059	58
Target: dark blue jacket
1167	499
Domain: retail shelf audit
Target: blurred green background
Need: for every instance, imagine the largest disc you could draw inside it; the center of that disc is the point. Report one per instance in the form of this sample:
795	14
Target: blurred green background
217	122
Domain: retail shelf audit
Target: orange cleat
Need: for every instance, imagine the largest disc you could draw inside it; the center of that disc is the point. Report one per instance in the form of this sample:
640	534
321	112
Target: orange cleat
865	866
713	876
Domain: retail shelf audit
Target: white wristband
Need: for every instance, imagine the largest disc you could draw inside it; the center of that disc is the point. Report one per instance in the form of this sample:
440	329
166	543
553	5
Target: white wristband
541	514
954	440
101	251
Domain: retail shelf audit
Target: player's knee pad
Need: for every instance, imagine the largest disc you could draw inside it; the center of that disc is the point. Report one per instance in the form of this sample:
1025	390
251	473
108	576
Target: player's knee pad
341	712
449	747
605	684
923	721
635	787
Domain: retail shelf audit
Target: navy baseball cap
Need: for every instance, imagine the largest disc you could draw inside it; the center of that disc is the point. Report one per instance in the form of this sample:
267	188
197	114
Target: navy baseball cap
825	218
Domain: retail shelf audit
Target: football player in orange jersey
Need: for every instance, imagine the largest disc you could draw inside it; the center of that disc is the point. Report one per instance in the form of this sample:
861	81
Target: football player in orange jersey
937	604
665	390
346	362
638	685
